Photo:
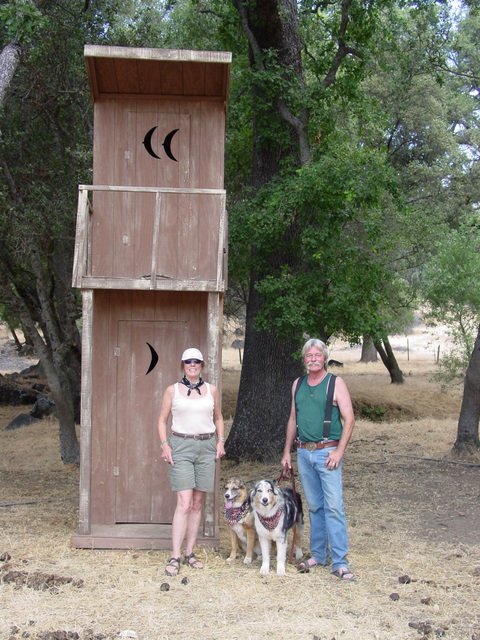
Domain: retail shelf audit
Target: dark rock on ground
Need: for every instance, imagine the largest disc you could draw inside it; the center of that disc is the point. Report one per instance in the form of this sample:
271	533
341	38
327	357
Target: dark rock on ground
43	407
22	420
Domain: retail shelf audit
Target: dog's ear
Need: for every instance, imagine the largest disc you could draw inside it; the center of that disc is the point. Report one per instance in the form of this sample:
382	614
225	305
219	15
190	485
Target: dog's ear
274	485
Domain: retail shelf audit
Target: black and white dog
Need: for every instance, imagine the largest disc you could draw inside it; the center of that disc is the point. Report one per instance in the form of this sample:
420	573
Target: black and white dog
276	511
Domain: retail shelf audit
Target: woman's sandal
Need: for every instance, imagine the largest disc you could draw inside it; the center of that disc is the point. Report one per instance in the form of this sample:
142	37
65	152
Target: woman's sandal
174	564
344	574
193	561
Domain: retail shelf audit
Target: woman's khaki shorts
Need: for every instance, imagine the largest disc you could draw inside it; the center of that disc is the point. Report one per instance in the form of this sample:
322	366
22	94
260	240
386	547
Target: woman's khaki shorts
194	464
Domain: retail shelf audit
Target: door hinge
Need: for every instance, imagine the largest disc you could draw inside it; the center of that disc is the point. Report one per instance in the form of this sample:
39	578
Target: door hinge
116	471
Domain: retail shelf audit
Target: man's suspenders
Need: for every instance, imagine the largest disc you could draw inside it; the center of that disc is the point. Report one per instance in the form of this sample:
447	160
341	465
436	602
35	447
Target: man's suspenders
328	409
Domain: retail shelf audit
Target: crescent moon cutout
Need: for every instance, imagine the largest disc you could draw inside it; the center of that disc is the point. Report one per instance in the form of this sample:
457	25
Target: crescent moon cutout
167	144
147	141
154	359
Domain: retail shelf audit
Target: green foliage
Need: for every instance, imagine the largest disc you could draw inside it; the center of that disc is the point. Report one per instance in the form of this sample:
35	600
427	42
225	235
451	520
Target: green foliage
450	288
325	225
20	21
389	173
375	413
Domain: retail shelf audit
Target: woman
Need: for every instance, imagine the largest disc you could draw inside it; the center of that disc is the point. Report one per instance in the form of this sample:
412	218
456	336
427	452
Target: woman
191	452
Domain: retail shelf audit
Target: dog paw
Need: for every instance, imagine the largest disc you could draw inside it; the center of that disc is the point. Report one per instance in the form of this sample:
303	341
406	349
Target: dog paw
264	571
298	553
280	571
231	559
247	560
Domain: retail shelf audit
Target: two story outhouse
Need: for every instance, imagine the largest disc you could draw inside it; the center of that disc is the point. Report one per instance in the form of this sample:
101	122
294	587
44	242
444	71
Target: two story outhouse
151	262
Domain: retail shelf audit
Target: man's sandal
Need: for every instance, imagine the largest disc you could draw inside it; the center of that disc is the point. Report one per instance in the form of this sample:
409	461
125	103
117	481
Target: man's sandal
304	567
193	561
174	564
344	574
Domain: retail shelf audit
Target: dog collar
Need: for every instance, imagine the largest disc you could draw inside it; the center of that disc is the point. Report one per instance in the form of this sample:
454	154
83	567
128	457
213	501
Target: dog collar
235	514
270	522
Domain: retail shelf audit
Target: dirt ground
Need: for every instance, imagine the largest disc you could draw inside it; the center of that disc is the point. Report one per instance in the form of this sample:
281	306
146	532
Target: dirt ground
414	521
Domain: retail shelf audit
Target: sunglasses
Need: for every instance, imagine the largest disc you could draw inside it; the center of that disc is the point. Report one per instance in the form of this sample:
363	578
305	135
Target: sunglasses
195	361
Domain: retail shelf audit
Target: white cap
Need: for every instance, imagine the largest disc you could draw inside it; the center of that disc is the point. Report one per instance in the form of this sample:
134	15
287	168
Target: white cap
192	353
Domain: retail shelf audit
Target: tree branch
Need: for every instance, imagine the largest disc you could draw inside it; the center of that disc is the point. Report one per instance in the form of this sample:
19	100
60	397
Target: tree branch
256	50
343	50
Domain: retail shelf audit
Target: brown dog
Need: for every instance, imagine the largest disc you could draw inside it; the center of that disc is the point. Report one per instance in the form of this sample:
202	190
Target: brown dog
239	516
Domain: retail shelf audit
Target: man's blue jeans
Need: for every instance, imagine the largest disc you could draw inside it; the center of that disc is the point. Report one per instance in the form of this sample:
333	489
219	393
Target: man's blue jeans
323	491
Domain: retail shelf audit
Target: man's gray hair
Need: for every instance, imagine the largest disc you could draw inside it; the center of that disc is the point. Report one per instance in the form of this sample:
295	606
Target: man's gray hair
315	342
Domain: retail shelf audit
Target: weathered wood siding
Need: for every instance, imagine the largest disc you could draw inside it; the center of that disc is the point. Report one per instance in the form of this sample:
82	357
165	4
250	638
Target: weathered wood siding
152	266
126	456
124	222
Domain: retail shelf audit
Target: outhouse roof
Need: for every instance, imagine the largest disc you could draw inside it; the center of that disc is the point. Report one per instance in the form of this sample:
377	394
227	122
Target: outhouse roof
137	71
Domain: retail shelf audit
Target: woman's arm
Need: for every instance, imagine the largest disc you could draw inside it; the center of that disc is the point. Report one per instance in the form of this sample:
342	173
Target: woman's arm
219	423
165	410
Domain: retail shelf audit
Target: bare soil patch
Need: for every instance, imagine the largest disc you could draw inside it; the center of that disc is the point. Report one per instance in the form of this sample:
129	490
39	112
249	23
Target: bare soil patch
413	512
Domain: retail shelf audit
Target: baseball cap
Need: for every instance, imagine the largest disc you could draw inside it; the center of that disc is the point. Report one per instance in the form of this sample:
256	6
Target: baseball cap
192	353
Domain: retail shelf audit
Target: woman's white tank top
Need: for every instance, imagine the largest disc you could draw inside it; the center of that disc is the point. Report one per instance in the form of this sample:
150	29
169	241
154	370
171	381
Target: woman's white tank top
193	416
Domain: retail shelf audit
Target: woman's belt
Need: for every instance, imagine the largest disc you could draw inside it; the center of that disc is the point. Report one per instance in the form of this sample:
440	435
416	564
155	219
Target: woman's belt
311	446
200	436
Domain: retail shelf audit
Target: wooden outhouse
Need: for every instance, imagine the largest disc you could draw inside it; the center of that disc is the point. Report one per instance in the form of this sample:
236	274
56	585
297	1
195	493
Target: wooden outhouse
150	260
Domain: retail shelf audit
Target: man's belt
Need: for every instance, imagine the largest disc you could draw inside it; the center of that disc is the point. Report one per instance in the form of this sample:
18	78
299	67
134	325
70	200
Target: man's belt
311	446
200	436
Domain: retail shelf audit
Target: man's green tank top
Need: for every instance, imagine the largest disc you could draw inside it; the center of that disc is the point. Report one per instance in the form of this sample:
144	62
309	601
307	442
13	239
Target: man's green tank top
311	404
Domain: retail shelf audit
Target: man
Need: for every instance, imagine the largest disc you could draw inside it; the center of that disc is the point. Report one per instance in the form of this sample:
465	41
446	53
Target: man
320	446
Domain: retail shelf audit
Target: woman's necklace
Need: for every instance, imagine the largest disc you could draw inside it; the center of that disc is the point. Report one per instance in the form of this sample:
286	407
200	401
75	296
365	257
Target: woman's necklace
192	385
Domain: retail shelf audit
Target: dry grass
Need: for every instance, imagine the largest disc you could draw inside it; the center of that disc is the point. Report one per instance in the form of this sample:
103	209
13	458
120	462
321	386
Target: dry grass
407	516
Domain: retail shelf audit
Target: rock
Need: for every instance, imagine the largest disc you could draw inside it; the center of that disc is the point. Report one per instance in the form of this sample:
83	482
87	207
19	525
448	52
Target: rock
335	363
22	420
34	371
13	394
425	628
38	386
185	580
42	407
164	586
404	579
394	596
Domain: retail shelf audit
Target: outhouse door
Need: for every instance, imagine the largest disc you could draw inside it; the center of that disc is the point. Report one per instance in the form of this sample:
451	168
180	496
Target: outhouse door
146	363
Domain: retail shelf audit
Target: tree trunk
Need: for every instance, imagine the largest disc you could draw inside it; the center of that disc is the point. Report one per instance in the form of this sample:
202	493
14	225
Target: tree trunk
369	351
9	59
59	349
18	344
264	399
36	269
467	433
268	370
272	30
385	350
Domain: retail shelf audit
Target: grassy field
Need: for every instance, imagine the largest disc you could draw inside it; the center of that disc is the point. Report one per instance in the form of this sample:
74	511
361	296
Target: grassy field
414	522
